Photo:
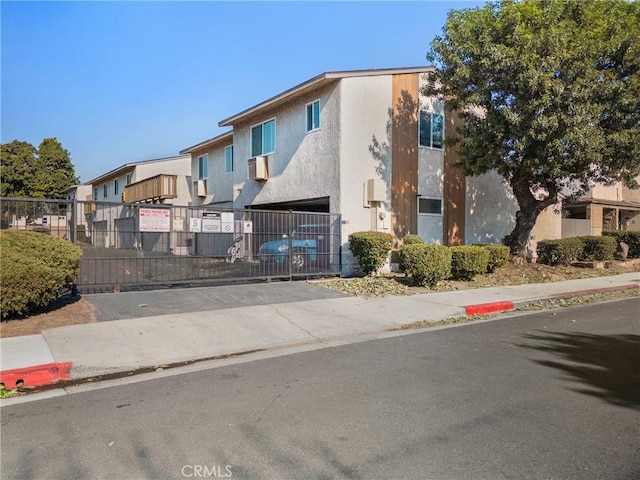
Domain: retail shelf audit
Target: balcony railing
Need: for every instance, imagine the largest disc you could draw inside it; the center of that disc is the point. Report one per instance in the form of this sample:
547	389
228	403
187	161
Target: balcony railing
154	188
88	208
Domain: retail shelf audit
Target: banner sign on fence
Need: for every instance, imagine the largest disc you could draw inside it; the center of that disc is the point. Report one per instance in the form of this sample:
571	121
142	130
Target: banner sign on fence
211	222
195	225
227	222
155	220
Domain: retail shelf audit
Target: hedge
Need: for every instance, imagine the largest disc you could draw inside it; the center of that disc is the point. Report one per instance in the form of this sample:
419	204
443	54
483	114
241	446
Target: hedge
499	255
35	268
559	252
467	261
427	263
371	249
631	238
597	248
411	239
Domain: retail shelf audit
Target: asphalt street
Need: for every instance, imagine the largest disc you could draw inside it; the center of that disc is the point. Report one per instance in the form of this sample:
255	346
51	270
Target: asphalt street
549	395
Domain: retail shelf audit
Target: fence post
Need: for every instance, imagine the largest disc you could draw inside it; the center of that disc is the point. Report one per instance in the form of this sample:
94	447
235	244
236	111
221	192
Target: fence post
74	222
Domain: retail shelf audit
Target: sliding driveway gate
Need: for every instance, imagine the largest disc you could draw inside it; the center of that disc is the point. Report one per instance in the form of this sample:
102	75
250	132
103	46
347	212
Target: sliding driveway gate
134	246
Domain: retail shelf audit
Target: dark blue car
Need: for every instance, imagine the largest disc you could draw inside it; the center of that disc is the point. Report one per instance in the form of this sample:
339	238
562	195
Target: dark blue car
309	244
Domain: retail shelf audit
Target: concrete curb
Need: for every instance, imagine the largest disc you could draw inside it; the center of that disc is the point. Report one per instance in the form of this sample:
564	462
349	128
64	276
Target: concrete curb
36	376
51	373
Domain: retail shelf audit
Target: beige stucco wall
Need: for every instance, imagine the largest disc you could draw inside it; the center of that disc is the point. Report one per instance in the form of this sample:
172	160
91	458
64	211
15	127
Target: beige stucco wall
491	209
219	184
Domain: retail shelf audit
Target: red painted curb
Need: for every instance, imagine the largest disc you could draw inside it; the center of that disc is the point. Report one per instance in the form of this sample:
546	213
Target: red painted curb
36	376
492	307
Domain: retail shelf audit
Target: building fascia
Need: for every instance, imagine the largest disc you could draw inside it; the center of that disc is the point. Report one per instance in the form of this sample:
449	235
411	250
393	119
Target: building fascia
223	138
312	84
130	167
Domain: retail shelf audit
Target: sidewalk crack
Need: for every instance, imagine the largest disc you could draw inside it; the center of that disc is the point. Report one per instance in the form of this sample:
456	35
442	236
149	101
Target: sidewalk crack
296	325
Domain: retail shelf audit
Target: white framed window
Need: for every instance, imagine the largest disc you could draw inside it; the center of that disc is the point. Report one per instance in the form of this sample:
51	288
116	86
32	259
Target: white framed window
128	178
203	166
104	190
228	159
429	206
313	116
115	186
431	127
263	138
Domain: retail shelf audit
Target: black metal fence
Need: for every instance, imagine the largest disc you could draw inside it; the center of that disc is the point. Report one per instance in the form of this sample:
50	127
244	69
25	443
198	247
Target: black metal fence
134	246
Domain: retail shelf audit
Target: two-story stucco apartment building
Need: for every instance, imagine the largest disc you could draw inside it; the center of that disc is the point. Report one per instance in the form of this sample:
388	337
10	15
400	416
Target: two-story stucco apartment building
366	144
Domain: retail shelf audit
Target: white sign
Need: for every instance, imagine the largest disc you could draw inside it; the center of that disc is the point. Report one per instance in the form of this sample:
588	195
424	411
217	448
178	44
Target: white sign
211	225
248	226
178	224
155	220
195	225
227	222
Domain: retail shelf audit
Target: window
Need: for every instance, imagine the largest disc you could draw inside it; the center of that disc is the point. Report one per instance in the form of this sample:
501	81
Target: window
203	166
115	186
95	193
104	190
431	129
128	179
263	138
429	206
313	116
228	159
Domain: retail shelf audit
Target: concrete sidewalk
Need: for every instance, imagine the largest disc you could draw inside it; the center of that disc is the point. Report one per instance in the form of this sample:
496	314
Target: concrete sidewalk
90	350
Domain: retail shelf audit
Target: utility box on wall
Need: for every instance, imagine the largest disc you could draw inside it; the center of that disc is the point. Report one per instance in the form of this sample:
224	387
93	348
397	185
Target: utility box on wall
375	190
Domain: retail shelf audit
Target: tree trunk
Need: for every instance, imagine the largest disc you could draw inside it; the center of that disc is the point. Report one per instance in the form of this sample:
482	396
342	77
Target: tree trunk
530	208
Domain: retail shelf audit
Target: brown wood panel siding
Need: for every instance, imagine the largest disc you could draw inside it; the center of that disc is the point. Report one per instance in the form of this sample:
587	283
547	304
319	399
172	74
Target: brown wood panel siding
454	191
404	155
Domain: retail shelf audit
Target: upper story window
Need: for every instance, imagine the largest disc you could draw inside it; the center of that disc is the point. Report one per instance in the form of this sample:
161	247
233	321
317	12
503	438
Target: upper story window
95	193
228	159
203	166
115	186
431	129
128	179
429	206
104	190
263	138
313	116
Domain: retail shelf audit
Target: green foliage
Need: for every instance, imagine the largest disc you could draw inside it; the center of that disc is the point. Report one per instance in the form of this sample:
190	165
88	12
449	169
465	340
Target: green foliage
467	261
427	263
597	248
34	270
631	238
548	91
42	173
411	239
371	249
559	252
499	255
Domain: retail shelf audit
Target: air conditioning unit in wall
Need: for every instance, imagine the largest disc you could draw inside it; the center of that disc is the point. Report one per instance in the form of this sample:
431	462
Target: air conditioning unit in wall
258	168
200	188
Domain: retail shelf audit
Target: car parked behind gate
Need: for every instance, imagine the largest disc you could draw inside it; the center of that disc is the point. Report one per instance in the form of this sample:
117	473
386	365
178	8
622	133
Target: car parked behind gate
309	245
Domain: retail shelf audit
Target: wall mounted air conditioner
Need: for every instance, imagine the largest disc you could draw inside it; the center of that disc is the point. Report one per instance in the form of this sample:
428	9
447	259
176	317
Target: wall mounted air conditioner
375	190
258	168
200	188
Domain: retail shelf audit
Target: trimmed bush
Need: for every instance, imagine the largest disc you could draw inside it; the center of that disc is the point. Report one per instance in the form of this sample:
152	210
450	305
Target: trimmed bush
596	248
467	261
499	255
371	249
35	268
631	238
427	263
411	239
559	252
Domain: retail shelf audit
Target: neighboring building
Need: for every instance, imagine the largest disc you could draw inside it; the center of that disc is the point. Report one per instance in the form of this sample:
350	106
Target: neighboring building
613	207
366	144
154	183
81	215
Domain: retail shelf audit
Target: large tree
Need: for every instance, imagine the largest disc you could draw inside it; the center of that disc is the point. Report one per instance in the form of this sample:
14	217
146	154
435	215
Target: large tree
38	173
549	92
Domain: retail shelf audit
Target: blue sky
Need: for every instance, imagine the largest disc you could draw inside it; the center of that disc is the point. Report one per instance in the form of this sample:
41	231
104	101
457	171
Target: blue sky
119	82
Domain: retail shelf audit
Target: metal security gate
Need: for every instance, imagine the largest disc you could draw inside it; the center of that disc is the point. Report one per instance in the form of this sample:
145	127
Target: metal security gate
134	246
